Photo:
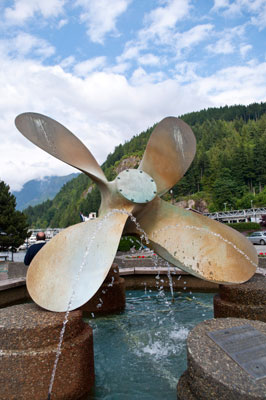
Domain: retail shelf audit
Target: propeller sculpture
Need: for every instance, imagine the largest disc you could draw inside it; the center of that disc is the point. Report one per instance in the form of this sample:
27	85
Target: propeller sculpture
203	247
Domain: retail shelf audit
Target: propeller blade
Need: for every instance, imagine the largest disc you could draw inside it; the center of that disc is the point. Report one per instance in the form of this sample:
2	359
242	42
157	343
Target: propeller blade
169	152
78	259
197	244
58	141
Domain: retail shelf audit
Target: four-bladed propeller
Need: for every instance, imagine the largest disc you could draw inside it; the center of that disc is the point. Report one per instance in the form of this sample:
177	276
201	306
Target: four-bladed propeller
197	244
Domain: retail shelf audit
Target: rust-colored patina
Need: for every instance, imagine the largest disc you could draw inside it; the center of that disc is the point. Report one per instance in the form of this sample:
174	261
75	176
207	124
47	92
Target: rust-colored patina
197	244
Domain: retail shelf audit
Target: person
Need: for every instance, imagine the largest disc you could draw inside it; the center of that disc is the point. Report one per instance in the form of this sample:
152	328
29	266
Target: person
33	249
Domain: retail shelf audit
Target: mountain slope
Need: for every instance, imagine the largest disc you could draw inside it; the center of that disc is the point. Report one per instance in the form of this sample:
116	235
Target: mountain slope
229	167
37	191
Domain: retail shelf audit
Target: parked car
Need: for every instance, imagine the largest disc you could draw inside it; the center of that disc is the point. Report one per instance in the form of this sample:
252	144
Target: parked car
257	237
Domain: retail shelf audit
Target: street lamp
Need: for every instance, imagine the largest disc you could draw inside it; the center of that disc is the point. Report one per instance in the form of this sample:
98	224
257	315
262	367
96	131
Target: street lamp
254	215
225	207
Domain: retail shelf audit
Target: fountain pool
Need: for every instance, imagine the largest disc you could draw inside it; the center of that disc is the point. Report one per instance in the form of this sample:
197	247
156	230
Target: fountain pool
141	353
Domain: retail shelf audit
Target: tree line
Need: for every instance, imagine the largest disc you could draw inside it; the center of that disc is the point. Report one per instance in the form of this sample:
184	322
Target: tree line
229	167
13	223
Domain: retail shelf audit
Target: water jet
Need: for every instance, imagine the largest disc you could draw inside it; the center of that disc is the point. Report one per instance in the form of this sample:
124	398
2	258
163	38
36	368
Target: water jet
68	271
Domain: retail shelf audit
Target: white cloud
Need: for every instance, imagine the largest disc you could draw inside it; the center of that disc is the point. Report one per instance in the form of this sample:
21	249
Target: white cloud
175	42
105	109
141	78
222	46
192	37
85	67
235	85
257	8
119	68
260	19
67	62
149	59
62	23
163	19
24	44
159	28
228	41
132	50
185	72
244	49
220	4
108	98
25	9
100	16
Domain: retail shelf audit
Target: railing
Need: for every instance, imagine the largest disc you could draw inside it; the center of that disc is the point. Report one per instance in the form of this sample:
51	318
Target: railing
238	214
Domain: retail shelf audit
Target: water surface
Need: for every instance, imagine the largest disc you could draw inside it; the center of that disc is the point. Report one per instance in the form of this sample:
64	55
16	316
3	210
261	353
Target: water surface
141	353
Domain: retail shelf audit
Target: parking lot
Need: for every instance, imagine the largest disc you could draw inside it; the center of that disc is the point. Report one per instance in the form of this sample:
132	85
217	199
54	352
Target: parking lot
260	249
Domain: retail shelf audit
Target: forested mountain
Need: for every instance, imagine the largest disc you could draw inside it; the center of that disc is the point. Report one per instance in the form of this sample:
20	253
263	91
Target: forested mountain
229	167
36	191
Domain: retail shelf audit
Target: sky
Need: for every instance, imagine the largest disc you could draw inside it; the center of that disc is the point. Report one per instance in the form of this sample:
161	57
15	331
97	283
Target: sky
109	69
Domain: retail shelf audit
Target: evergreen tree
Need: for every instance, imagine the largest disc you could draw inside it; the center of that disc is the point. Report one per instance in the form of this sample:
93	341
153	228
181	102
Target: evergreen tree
13	224
229	166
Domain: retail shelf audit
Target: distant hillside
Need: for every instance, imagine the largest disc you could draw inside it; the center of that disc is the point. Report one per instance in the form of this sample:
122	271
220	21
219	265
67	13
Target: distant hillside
229	167
37	191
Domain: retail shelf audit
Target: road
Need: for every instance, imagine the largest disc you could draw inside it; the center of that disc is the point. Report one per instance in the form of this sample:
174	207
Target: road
260	249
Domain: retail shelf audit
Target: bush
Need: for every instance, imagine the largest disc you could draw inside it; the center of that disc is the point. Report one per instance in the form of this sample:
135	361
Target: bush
127	242
245	226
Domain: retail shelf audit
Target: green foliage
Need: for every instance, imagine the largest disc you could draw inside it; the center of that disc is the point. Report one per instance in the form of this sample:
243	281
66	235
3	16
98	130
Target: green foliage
260	198
64	209
127	242
229	166
225	188
13	224
136	144
245	226
226	113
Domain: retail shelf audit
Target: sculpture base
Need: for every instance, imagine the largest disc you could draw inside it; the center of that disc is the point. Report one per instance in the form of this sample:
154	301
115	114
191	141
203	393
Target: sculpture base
29	338
110	298
247	300
211	373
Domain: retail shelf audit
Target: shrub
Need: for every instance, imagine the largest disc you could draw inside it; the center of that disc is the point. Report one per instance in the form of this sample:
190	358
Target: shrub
127	242
245	226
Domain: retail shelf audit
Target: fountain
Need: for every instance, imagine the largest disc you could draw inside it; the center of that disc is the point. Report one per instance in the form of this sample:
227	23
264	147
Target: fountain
68	271
242	301
29	343
200	246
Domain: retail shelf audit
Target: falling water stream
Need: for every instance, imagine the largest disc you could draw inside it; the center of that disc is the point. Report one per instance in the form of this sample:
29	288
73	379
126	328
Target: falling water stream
159	281
200	229
141	353
74	287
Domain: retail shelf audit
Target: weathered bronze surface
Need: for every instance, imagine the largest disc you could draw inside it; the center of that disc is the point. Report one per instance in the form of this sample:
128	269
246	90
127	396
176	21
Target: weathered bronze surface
169	153
190	241
197	244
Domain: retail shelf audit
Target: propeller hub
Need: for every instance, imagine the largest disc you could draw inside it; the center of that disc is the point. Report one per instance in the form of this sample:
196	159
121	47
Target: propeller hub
136	186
